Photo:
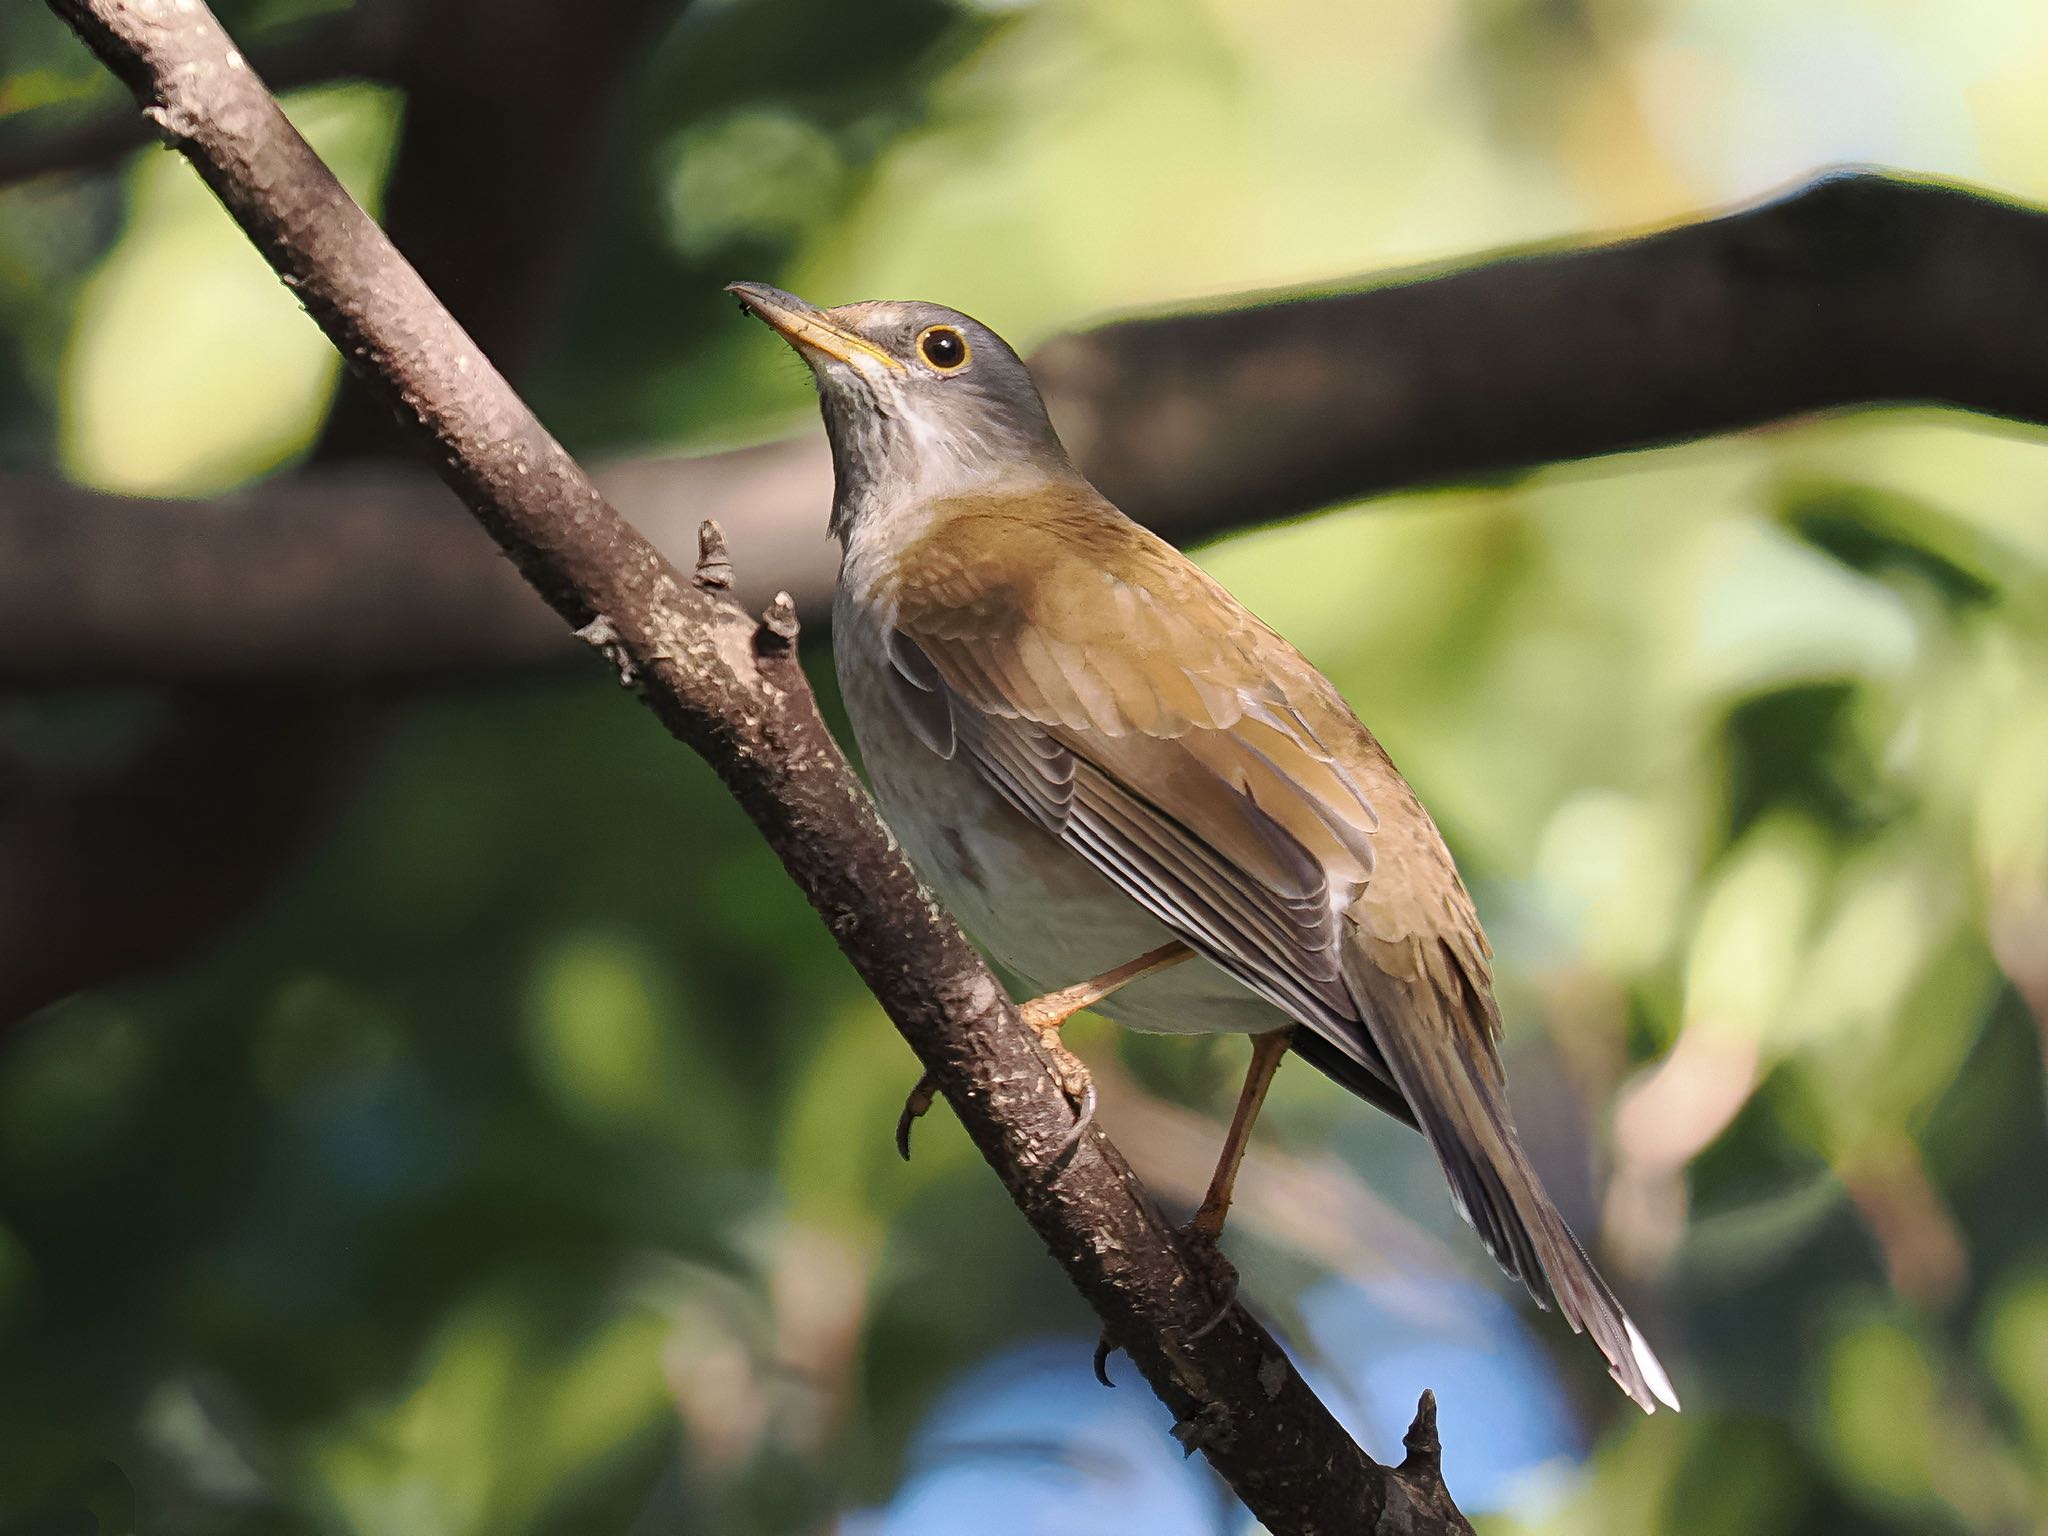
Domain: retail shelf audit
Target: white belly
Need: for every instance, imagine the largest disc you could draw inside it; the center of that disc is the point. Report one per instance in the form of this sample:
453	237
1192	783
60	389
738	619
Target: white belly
1037	908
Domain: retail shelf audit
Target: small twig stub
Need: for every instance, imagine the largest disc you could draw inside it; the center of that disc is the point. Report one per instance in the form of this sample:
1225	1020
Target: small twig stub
714	565
602	636
779	623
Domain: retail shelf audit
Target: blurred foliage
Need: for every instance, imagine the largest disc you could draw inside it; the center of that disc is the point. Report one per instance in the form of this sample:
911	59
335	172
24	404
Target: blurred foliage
525	1166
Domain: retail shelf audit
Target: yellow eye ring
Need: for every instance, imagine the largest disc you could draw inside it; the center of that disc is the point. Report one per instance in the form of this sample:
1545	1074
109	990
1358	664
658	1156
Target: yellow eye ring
944	348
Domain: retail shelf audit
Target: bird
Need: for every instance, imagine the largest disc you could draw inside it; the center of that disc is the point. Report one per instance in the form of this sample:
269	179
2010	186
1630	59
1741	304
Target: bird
1140	798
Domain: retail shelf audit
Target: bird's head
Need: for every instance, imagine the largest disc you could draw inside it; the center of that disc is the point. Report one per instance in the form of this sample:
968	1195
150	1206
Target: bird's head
920	401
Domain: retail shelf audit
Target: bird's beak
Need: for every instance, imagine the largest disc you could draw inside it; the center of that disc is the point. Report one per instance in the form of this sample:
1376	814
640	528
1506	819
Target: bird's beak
809	329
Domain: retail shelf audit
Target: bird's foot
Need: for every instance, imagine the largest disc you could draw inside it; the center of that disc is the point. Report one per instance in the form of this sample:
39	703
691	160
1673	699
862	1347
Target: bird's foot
1074	1082
1066	1066
1201	1241
1073	1077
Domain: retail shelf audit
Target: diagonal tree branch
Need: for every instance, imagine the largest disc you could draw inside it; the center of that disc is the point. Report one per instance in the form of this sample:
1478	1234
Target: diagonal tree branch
731	688
1857	289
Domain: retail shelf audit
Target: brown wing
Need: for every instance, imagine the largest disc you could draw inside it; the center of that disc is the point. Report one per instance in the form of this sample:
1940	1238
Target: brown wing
1117	695
1113	692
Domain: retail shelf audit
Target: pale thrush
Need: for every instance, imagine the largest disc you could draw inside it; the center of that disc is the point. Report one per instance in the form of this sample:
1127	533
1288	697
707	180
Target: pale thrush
1105	766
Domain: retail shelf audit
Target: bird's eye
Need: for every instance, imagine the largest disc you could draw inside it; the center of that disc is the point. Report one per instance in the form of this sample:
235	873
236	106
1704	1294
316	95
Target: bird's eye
944	348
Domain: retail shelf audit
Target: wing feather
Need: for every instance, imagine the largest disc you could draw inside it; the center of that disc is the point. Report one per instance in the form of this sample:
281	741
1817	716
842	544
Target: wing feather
1072	679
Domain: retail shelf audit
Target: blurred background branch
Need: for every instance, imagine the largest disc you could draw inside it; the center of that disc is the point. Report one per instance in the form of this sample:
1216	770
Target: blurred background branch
1858	289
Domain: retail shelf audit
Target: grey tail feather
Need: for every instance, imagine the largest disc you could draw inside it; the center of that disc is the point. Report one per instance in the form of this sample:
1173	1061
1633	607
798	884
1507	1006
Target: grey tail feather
1432	1044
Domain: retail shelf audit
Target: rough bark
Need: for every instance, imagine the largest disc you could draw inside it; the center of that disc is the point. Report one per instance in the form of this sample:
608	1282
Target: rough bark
1857	289
730	686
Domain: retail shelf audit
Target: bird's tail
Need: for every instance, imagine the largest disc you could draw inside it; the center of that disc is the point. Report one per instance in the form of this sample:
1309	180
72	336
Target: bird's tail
1435	1024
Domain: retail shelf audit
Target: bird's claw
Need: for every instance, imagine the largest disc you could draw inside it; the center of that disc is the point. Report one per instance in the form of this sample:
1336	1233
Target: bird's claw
915	1105
1201	1246
1215	1318
1084	1116
1105	1346
1075	1083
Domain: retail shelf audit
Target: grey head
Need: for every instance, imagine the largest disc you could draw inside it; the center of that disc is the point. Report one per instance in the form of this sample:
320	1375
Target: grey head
920	402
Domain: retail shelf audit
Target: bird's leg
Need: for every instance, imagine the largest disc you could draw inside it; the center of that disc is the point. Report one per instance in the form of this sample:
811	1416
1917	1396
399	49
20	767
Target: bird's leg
1267	1049
1046	1014
1049	1012
1206	1229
